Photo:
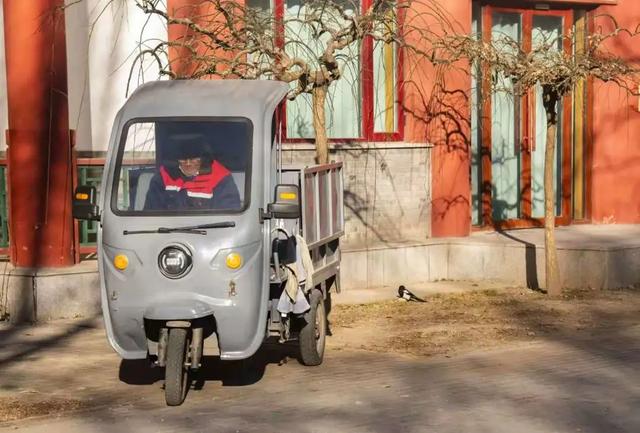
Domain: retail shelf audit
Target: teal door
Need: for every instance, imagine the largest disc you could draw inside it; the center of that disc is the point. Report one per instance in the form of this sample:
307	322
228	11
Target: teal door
510	153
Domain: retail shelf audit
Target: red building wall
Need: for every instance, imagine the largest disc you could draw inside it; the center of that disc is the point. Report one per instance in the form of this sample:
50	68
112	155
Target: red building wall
438	113
615	170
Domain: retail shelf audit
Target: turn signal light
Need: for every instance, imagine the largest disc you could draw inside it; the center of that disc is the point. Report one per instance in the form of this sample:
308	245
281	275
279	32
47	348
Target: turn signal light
121	262
288	196
234	261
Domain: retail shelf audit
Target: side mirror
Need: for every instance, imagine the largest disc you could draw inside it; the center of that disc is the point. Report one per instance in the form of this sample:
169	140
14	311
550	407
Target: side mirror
84	204
285	249
287	202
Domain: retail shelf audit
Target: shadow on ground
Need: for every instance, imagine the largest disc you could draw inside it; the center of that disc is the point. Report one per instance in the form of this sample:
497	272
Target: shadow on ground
229	373
586	381
26	349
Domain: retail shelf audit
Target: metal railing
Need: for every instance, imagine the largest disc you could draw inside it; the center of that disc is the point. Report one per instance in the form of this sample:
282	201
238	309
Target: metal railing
91	175
4	208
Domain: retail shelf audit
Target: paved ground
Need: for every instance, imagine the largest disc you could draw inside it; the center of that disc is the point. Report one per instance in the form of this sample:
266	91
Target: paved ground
586	385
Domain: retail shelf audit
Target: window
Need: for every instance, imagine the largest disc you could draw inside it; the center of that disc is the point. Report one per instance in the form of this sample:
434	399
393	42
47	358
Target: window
509	127
365	102
178	167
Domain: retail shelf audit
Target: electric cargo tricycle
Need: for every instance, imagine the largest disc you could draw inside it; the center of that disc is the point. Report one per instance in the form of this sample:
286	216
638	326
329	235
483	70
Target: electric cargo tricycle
202	230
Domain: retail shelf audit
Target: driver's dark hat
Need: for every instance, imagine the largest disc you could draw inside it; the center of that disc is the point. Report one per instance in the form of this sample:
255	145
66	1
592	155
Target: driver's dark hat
190	147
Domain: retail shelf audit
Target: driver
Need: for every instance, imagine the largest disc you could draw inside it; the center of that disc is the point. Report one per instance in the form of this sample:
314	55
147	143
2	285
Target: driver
192	181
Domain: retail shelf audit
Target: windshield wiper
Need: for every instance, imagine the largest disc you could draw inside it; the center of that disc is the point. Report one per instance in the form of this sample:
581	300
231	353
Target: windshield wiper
197	230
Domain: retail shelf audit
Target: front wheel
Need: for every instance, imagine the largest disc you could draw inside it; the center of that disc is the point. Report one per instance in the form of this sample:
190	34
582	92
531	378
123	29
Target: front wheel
313	333
176	382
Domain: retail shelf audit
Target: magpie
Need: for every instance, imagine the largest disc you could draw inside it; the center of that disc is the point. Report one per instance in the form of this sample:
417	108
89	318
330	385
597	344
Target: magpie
405	294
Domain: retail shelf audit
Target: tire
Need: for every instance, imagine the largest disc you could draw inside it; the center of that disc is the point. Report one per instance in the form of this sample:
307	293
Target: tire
314	332
176	375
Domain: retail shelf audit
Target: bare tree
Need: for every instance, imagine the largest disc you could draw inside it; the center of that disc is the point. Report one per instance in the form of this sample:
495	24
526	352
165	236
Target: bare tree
229	39
556	65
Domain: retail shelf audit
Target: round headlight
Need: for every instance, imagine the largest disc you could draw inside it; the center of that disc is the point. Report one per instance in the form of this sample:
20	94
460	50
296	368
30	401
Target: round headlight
174	262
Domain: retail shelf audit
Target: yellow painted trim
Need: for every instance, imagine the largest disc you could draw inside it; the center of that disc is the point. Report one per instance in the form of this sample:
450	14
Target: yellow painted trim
579	118
389	84
389	112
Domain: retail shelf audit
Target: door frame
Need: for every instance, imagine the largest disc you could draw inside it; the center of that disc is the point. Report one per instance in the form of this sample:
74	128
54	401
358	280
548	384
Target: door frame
526	120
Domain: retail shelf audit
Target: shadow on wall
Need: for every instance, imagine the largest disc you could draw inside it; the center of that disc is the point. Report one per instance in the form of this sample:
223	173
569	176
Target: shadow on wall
531	265
358	208
615	178
441	117
387	194
386	191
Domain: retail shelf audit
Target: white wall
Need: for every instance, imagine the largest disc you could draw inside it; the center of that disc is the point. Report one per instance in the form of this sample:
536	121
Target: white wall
103	39
4	111
77	73
387	191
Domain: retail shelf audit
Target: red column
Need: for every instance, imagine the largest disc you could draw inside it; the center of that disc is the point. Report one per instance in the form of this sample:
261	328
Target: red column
181	58
615	148
39	153
207	16
438	100
451	188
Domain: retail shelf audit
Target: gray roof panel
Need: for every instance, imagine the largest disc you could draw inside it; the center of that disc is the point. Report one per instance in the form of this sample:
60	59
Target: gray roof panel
248	98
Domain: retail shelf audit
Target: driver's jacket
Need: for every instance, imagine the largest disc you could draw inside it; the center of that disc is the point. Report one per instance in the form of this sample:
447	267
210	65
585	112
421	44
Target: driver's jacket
213	188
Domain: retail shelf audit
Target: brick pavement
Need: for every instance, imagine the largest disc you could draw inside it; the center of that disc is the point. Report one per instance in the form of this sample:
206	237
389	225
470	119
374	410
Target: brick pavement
586	385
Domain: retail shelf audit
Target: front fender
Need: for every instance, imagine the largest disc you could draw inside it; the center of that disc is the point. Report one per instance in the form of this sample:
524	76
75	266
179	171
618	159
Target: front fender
189	307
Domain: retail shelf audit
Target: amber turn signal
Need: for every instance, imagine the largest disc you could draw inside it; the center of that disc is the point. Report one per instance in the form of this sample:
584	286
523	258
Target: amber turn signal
121	262
288	196
234	261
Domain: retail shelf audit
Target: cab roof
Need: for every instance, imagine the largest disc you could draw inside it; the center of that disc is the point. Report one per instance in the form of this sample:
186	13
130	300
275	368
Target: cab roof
253	99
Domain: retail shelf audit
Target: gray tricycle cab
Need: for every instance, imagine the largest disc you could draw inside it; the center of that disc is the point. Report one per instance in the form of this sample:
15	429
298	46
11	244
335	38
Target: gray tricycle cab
187	255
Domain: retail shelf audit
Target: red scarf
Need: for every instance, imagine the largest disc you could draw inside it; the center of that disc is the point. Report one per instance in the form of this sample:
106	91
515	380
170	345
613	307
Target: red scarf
200	186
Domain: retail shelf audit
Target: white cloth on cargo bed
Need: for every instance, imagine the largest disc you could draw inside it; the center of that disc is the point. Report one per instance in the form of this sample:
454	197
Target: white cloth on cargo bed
286	305
299	281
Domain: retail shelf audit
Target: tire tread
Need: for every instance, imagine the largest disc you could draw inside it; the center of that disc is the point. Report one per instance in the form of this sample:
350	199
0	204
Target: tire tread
174	389
308	349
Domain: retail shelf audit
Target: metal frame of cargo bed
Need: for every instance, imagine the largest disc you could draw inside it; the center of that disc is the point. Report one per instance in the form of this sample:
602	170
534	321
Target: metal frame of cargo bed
322	217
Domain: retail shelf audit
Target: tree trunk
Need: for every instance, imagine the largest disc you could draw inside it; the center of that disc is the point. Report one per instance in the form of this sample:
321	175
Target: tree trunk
319	95
552	272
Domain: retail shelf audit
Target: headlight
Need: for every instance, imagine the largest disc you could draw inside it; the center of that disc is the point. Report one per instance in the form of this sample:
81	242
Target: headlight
174	261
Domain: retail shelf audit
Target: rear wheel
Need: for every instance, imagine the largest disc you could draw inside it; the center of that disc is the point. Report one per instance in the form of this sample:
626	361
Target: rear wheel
176	382
313	333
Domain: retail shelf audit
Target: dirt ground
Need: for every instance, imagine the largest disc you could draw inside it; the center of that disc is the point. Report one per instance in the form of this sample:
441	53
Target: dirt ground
53	368
29	405
454	323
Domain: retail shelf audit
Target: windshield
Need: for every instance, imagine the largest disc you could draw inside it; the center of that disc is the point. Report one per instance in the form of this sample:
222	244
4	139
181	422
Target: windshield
178	166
